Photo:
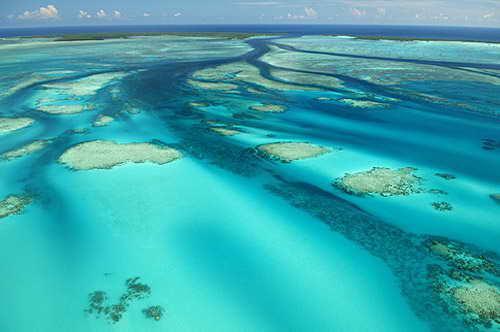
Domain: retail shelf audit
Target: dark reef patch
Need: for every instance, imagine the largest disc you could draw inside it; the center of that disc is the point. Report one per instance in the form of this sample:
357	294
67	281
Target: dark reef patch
411	257
154	312
446	176
442	206
490	144
134	290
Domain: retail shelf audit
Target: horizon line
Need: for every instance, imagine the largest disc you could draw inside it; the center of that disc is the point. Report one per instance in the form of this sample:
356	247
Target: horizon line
249	24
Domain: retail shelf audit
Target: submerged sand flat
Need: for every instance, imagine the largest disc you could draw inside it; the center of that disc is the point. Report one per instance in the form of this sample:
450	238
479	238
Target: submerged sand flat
300	78
8	125
25	150
245	73
73	96
290	151
8	88
383	72
88	85
108	154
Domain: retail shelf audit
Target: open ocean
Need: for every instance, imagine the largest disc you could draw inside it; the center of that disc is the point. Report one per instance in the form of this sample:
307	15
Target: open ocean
454	33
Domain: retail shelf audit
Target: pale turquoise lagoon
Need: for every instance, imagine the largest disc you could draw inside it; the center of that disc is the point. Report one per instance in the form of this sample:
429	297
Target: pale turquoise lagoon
383	215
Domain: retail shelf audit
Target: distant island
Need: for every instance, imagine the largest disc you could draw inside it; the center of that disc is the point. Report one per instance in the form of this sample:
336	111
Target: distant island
126	35
227	35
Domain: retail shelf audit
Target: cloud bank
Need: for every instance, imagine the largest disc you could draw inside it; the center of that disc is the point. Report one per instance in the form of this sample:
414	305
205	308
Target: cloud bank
43	13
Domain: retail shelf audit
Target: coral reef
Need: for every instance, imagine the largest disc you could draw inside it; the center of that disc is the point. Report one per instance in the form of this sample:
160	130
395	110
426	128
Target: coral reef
213	85
471	299
135	290
154	312
96	300
290	151
381	180
467	285
25	150
459	258
426	267
362	103
108	154
14	204
65	109
103	120
268	108
480	298
442	206
8	125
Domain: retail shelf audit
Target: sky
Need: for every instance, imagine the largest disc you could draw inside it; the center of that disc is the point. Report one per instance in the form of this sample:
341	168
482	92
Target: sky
14	13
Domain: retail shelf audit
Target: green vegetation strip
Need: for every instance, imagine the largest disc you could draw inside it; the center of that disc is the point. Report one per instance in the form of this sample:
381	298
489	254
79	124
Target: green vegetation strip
126	35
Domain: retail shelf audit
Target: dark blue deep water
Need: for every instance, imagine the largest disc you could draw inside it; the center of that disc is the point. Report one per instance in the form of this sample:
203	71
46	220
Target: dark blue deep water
453	33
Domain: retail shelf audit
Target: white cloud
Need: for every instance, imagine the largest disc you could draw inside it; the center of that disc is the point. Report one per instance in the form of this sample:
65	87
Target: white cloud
358	12
83	14
101	13
27	15
310	12
177	14
49	12
489	15
146	14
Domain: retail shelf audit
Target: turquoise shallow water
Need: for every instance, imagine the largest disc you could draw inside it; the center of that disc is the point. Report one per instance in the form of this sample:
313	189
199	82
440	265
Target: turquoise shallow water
227	238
